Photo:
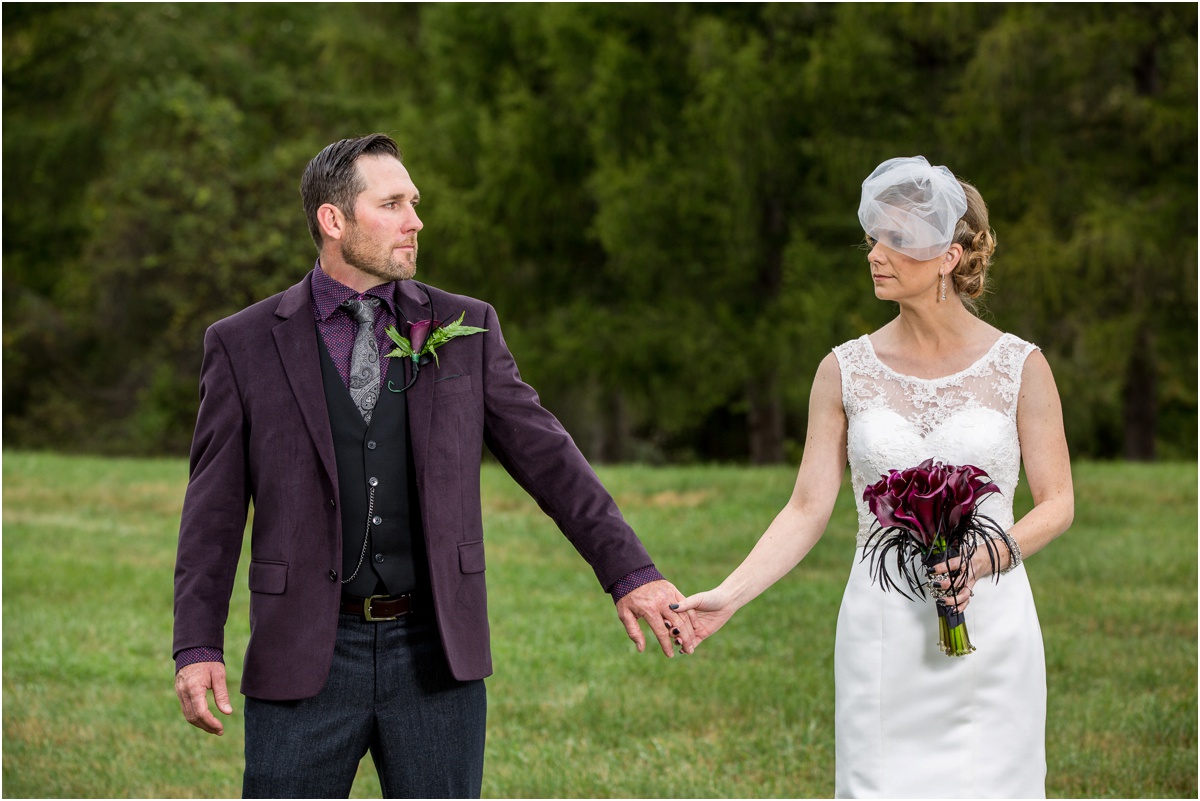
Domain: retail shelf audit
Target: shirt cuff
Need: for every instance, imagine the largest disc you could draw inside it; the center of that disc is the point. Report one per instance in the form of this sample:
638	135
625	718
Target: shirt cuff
190	656
631	581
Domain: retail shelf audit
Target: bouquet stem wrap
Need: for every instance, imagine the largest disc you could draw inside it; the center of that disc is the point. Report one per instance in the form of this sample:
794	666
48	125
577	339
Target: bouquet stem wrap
952	623
931	512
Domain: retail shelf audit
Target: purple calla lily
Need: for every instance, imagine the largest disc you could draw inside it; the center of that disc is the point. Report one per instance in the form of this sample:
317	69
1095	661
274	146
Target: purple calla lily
419	334
967	489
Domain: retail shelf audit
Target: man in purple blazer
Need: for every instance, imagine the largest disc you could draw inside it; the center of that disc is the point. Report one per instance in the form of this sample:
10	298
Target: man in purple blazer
368	607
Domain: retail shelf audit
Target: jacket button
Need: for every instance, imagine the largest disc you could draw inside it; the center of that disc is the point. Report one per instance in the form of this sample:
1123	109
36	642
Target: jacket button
370	444
378	557
333	575
376	520
374	482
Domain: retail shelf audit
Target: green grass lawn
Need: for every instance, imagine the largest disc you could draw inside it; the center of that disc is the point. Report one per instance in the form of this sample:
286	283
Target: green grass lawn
89	708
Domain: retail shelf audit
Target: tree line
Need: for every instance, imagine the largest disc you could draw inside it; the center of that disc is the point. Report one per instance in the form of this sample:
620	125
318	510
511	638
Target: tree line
660	200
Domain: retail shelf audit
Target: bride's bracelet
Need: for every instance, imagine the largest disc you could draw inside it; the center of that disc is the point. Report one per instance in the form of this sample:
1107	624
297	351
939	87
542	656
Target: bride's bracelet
1014	551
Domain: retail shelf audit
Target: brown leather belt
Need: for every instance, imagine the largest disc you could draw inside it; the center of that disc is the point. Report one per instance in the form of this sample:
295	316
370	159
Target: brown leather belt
377	607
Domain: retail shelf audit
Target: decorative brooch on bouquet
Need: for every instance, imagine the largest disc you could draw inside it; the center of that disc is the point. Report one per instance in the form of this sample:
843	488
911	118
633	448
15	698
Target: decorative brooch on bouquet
932	511
425	337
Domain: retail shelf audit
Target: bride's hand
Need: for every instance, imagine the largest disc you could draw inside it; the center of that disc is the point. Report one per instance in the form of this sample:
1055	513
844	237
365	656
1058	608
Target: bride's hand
709	611
944	577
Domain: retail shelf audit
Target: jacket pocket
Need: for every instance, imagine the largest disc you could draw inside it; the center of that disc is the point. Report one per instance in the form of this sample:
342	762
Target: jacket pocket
470	556
450	385
268	577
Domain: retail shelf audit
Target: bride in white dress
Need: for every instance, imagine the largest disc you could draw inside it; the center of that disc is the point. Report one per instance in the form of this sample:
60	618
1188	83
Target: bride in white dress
936	382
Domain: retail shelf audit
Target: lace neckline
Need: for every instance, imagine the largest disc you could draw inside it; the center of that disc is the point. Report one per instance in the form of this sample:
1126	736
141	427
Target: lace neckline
870	348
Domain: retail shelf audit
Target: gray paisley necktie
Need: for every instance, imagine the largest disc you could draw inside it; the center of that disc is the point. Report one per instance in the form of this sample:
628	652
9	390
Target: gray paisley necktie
364	359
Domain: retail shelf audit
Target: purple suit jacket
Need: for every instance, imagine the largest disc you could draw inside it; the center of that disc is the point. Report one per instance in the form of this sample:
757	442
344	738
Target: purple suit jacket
263	436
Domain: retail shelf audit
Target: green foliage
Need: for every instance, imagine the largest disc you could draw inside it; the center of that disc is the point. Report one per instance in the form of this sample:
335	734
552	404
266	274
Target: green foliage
90	710
1084	122
631	169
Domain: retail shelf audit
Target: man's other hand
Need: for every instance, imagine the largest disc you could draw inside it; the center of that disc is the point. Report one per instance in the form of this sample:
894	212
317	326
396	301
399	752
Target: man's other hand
652	602
192	685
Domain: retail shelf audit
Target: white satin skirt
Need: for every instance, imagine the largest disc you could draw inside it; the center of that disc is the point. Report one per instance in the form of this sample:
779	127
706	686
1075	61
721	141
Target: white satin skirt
915	723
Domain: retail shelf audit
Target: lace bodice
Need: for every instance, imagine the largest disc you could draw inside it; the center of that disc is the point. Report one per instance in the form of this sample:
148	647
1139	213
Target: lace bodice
897	421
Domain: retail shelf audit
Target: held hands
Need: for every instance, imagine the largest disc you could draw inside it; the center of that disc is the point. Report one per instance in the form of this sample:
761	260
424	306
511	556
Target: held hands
192	684
656	602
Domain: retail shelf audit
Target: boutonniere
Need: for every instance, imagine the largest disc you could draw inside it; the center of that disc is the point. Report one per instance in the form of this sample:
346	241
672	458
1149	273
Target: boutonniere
425	337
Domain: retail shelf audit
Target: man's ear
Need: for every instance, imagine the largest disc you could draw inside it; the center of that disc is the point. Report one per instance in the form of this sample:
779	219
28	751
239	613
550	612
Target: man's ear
332	221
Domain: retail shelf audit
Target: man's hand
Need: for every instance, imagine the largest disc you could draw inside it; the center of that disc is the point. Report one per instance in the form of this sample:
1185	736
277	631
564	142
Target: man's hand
192	684
652	602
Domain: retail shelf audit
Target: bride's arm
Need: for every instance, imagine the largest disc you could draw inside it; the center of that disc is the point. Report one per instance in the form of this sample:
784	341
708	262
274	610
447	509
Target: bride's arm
1048	469
1047	463
801	522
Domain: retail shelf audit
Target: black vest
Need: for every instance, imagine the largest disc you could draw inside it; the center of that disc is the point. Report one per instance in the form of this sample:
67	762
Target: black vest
375	461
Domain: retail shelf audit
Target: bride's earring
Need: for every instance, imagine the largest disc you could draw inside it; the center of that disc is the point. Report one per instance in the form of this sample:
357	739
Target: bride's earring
943	286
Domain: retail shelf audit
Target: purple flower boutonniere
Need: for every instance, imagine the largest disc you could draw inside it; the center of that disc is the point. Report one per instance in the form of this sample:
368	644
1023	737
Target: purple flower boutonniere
425	337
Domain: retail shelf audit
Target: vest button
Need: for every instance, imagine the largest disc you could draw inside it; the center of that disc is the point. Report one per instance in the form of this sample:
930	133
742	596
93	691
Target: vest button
376	520
374	482
378	557
333	575
370	444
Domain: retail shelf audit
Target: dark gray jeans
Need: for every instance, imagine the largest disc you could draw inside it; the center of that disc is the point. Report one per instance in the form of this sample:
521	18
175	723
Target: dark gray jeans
389	692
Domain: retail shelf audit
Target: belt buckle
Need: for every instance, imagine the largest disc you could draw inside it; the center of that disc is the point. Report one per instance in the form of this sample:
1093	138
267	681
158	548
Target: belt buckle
367	610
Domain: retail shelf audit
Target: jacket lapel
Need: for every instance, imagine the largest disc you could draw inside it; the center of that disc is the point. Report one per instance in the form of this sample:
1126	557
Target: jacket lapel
415	305
296	340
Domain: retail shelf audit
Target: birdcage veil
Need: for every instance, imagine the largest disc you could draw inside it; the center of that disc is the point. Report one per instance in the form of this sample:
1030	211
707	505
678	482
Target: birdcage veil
912	206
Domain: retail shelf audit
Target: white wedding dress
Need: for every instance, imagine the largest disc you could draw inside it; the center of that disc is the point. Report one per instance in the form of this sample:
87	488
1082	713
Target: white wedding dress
911	721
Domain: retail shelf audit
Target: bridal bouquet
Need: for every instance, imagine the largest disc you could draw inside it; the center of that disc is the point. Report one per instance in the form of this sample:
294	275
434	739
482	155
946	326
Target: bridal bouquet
931	511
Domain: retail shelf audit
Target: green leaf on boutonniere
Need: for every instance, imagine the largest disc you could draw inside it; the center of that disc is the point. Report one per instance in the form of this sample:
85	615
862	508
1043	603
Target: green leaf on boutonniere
430	340
444	334
403	347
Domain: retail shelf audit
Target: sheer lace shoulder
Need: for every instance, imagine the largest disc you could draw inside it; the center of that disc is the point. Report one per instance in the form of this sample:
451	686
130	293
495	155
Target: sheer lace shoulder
897	421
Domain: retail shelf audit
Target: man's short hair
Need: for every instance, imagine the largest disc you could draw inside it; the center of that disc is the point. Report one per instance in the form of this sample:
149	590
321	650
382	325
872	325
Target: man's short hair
331	177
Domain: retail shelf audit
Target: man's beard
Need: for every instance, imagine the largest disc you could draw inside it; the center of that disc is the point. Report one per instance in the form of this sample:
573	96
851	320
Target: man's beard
357	254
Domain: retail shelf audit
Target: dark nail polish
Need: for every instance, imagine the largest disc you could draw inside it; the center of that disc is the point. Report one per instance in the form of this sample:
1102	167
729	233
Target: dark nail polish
674	606
675	632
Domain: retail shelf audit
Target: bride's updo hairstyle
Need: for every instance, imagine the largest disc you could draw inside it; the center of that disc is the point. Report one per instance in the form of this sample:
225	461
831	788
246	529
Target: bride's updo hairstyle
978	243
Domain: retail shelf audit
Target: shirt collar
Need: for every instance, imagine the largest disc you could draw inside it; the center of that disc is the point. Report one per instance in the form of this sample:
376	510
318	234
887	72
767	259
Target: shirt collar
328	294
